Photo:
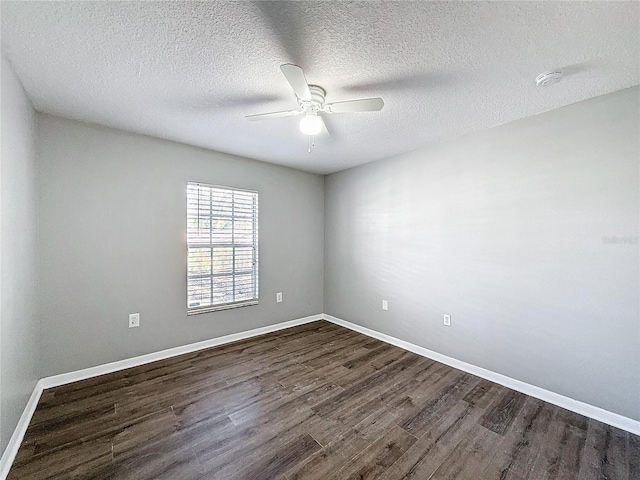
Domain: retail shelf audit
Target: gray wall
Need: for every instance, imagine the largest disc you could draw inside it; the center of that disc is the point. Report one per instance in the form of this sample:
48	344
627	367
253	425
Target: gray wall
19	332
508	230
504	230
112	242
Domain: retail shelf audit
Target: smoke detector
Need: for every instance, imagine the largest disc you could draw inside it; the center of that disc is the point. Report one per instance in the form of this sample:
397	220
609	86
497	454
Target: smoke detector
547	79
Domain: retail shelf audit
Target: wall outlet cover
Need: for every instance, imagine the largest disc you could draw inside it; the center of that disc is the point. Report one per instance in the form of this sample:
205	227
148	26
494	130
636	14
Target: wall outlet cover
447	320
134	320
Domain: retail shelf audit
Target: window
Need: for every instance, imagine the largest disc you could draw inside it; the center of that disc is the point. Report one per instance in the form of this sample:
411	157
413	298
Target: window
222	248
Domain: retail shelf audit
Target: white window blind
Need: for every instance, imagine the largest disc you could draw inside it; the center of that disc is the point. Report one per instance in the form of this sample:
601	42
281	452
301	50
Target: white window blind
222	247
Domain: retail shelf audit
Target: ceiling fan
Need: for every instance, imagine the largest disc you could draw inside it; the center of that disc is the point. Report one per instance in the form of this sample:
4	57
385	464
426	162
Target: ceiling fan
311	99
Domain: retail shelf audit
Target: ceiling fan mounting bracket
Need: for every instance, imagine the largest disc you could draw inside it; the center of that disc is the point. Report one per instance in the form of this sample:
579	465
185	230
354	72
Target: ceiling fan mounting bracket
316	104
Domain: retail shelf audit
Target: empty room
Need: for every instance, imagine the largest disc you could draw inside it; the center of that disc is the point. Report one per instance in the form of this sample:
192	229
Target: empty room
301	240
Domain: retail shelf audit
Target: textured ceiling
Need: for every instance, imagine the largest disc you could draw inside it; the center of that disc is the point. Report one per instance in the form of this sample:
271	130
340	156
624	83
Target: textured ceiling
191	71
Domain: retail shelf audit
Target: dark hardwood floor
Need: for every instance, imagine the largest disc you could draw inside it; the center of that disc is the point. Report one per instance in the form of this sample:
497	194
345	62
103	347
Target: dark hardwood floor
312	402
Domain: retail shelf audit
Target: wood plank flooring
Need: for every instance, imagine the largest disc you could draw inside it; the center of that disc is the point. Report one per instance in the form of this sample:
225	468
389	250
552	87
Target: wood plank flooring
312	402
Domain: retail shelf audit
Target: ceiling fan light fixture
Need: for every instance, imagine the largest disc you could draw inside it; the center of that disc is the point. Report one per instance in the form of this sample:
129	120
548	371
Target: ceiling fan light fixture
311	124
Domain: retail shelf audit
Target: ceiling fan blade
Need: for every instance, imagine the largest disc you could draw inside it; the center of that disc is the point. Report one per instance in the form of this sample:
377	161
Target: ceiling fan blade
324	133
295	77
364	105
261	116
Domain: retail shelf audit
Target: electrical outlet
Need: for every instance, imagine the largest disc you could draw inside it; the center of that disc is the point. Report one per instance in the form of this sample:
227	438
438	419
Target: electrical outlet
447	320
385	305
134	320
278	297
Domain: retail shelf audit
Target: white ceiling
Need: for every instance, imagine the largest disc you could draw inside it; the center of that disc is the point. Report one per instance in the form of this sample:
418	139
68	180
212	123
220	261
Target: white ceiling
191	71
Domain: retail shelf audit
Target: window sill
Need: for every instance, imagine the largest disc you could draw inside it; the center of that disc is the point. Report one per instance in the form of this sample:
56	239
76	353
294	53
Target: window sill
217	308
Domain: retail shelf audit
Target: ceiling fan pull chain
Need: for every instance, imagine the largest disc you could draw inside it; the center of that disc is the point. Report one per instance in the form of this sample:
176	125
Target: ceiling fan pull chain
312	142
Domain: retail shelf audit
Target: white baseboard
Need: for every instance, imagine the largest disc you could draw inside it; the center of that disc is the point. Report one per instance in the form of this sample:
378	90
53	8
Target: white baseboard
576	406
10	452
18	434
64	378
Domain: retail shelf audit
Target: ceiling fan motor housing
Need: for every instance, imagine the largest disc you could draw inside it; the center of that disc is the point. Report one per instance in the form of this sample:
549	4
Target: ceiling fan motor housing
316	103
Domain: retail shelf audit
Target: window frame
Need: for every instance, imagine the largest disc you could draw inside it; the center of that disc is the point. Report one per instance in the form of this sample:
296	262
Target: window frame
255	244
